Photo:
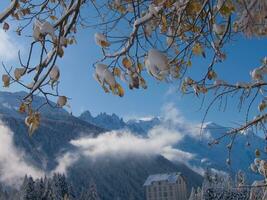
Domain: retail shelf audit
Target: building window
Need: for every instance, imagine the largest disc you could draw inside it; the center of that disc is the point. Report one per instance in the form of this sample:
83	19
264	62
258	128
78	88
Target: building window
160	194
165	194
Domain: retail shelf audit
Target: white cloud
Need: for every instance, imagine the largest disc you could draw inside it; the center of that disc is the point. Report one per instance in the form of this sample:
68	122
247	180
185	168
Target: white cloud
13	165
173	89
65	161
138	117
176	154
121	143
8	47
173	118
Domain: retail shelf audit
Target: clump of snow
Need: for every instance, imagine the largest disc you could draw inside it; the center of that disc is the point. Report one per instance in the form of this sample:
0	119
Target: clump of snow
43	28
157	64
103	75
101	40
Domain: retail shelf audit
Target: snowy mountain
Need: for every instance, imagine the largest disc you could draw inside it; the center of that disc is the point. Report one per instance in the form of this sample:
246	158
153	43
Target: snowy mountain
215	156
113	122
196	145
51	149
110	122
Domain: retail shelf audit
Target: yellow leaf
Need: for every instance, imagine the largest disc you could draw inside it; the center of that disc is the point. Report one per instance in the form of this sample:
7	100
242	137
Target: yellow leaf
33	122
143	83
104	44
212	75
26	11
72	40
22	108
257	153
203	89
197	49
169	3
164	24
121	9
60	52
262	106
19	72
16	16
53	17
227	8
139	67
193	7
61	101
6	80
126	62
117	71
5	26
189	63
120	90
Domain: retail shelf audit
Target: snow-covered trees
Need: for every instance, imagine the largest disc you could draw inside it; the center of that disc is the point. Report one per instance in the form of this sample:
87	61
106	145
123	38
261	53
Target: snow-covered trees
54	188
27	189
220	186
196	194
90	193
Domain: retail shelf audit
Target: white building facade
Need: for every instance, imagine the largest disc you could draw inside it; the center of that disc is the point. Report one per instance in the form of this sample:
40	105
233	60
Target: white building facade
171	186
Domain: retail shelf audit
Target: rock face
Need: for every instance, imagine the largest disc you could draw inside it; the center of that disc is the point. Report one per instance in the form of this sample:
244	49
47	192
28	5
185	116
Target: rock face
113	122
110	122
122	178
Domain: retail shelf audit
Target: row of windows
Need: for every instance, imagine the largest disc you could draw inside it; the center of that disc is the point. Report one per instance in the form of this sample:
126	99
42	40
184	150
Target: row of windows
160	188
158	198
179	181
160	194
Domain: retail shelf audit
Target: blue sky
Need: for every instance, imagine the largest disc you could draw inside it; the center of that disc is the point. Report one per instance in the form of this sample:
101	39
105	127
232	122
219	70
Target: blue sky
77	82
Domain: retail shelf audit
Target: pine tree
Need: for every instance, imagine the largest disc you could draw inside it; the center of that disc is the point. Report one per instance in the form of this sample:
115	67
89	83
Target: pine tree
192	195
199	194
39	189
59	187
83	194
47	195
71	194
93	195
3	193
90	194
27	189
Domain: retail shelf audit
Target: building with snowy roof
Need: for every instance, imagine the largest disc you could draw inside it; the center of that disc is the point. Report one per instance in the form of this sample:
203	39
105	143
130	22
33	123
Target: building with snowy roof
170	186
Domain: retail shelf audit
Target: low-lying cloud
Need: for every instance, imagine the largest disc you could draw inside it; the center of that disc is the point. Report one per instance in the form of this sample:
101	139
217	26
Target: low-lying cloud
162	140
120	143
13	165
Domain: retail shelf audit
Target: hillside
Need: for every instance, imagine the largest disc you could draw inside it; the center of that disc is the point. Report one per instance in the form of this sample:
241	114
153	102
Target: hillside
52	141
